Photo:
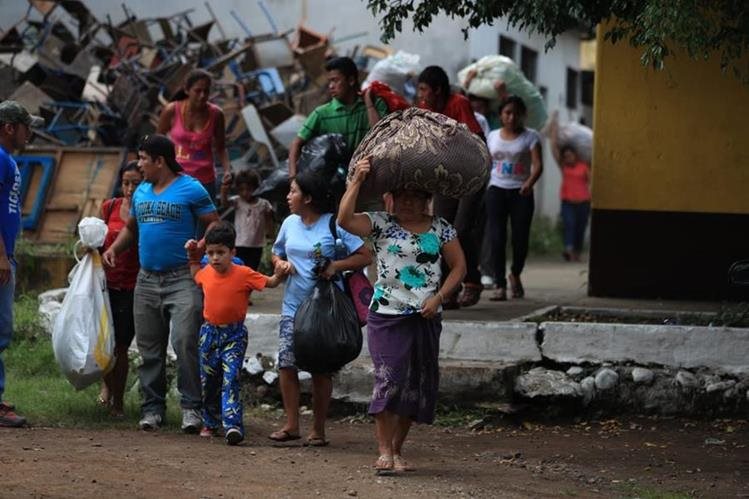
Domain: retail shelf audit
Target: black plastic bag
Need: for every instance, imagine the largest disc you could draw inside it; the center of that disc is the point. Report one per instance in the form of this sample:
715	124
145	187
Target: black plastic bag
325	153
329	156
327	335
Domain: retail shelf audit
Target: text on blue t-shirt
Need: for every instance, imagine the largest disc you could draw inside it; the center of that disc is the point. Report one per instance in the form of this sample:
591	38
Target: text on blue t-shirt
166	221
10	200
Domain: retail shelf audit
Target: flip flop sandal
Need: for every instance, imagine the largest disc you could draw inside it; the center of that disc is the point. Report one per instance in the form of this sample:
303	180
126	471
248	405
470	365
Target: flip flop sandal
316	442
516	286
283	436
471	295
500	294
384	465
400	464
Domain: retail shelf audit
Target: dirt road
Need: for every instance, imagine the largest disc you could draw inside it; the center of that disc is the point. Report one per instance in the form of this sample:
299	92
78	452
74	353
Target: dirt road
614	458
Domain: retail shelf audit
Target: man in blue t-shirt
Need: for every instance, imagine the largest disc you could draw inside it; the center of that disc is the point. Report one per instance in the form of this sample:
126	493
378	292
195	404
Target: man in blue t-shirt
165	213
15	131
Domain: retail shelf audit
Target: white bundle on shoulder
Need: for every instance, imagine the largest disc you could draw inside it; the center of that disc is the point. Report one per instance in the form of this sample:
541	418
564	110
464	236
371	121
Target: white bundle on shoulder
492	68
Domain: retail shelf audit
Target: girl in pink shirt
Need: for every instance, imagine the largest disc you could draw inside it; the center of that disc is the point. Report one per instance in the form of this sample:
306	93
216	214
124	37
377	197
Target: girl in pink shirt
197	129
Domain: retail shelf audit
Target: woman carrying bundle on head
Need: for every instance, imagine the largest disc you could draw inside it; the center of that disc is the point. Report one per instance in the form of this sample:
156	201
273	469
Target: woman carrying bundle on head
405	321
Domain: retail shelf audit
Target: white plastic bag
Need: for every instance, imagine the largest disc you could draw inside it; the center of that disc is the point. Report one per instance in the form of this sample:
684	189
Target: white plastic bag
92	231
579	137
491	68
572	134
83	334
394	70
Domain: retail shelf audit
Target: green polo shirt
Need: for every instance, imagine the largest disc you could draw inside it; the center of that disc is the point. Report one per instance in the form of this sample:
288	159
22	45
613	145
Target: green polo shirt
335	117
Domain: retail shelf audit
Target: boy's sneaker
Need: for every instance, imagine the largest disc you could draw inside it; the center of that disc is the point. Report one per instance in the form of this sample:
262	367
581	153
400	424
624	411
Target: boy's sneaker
208	432
192	422
8	417
150	422
233	436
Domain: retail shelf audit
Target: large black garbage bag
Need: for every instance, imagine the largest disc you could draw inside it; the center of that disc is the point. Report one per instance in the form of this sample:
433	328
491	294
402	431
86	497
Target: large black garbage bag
329	156
325	153
327	335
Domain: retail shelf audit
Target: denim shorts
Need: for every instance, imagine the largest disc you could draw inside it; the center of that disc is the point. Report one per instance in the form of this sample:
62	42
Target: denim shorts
286	343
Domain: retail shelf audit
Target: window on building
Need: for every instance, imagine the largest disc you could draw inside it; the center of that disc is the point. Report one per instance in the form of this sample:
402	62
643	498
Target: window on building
529	63
587	79
572	84
507	46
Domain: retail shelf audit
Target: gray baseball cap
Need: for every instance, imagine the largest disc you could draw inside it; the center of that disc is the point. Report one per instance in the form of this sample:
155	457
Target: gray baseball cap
13	112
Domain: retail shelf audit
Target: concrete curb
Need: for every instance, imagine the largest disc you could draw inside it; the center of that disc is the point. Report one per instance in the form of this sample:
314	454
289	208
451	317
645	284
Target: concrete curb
499	342
721	349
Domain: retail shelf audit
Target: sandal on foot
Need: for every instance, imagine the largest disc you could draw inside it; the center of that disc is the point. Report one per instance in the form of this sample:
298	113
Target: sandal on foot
117	414
500	294
283	436
471	294
315	442
102	401
400	464
516	286
384	465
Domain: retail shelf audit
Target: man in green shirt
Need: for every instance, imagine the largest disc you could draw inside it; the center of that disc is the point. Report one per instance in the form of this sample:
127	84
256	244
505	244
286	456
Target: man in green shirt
347	113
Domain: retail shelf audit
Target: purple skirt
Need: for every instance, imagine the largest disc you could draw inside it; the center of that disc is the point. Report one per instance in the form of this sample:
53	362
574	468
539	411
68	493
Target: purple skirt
404	351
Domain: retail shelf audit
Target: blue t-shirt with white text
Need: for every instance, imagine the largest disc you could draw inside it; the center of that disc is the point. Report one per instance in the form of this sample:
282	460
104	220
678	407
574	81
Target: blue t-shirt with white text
10	200
303	245
166	221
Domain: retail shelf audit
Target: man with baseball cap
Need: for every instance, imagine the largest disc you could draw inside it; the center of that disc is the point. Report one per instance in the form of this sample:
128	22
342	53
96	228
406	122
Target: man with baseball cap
165	212
15	131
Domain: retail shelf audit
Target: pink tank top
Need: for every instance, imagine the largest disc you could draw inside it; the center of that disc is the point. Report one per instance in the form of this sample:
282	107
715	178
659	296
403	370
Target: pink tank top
194	150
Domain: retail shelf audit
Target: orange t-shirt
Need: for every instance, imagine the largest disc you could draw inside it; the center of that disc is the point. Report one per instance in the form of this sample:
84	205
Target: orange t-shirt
226	295
575	183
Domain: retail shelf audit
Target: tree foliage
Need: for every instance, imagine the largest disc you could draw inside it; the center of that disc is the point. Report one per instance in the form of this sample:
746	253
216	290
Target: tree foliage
700	27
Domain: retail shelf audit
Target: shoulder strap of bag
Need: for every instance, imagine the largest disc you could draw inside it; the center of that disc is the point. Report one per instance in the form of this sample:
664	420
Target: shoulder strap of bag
334	233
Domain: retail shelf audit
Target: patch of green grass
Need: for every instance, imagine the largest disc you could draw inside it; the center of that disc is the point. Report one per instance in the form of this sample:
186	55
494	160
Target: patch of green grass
545	237
44	396
646	492
457	416
26	325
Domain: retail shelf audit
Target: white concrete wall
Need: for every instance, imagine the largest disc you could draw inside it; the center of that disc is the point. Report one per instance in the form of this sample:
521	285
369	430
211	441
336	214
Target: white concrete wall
442	43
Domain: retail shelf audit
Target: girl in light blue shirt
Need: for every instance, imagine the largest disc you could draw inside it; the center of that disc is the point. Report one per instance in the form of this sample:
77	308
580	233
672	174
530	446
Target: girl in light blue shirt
303	246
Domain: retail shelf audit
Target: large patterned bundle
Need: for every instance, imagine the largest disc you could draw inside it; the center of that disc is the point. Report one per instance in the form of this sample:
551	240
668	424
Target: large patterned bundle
419	149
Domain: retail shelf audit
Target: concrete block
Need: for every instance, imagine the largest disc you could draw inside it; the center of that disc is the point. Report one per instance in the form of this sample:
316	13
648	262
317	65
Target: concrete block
503	342
459	381
500	342
719	348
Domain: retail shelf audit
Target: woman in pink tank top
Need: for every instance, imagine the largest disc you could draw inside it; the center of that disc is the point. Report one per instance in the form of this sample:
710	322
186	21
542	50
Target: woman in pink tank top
197	129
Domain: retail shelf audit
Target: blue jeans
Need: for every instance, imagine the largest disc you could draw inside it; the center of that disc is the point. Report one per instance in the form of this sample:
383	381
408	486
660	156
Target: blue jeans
222	351
7	291
161	299
575	221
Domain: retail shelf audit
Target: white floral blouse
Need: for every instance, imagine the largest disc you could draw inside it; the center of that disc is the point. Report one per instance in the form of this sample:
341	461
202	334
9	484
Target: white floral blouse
408	264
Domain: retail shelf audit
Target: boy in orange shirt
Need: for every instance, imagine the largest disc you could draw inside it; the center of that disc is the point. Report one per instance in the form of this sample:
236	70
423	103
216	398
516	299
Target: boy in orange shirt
223	335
